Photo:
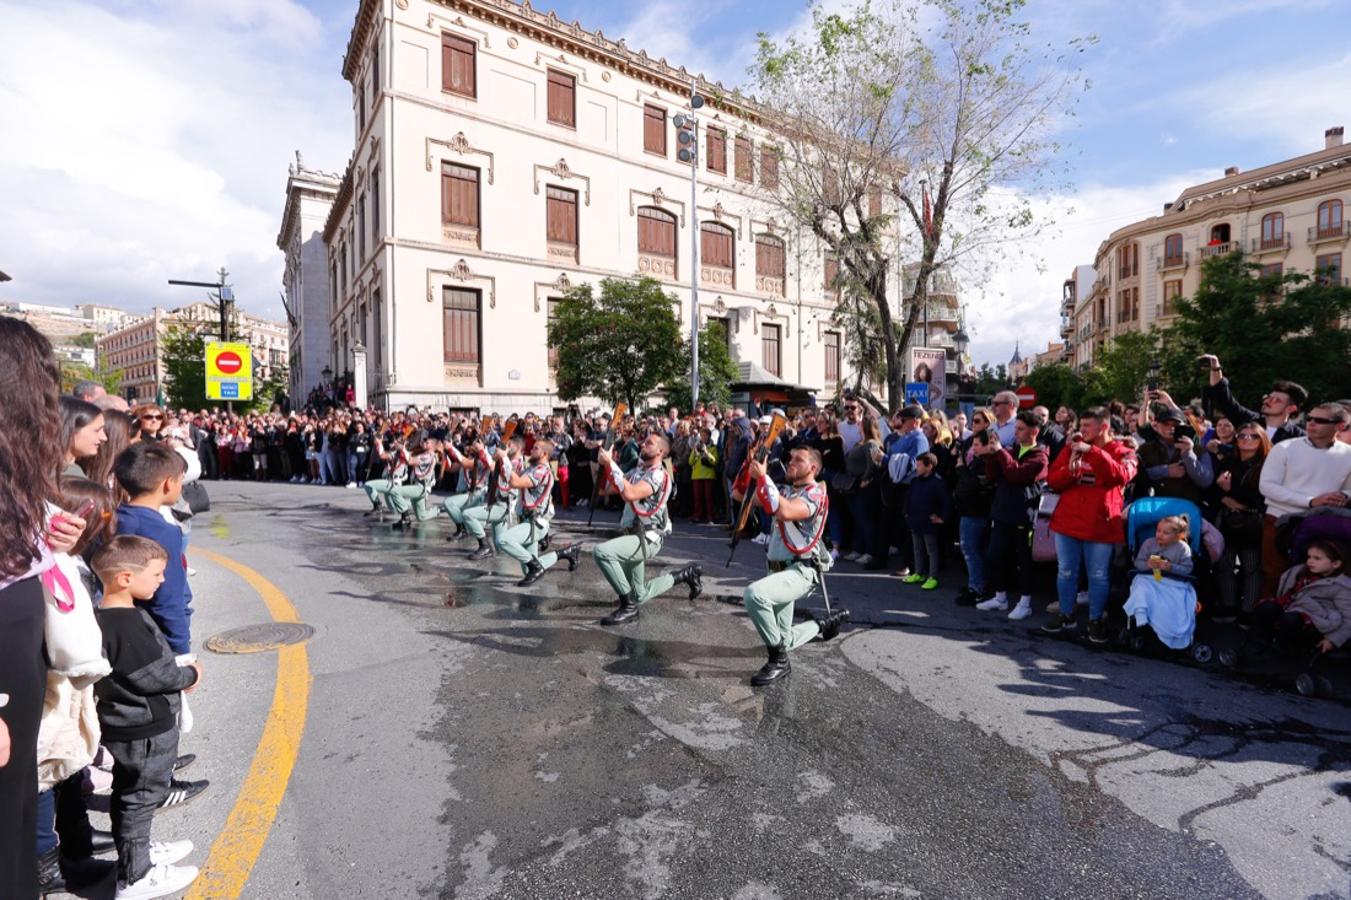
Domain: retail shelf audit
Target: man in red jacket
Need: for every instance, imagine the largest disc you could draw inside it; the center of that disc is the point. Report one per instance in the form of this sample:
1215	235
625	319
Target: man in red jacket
1087	523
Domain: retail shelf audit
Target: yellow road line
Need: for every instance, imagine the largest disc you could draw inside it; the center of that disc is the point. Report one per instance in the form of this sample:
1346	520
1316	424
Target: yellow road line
240	843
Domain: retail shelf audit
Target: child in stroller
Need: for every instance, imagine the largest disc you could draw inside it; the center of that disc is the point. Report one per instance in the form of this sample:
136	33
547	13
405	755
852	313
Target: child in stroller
1311	612
1166	600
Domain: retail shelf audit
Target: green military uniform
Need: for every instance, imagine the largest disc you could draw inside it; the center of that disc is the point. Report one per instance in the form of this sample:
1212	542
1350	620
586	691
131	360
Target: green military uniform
796	553
479	518
623	560
406	498
534	510
378	490
475	494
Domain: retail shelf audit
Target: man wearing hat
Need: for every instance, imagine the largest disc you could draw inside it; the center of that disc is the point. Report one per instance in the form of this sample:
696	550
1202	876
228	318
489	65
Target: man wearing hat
1169	463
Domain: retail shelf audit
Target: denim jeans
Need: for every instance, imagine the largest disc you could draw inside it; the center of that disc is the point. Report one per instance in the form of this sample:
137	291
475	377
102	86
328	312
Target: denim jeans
1073	554
353	473
974	532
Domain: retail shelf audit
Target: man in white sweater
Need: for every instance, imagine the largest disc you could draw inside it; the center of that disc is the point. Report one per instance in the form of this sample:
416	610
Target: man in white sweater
1300	474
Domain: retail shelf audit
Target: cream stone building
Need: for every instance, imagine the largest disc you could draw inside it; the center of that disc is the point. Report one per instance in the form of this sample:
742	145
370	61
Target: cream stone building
305	286
1285	216
503	156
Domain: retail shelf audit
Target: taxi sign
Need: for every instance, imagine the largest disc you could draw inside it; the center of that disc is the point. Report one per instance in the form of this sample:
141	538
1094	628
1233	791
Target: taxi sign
229	371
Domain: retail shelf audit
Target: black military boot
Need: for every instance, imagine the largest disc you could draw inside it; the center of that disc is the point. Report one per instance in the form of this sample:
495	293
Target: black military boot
693	576
533	572
627	611
544	543
373	511
459	533
572	553
485	549
405	522
50	879
777	667
830	623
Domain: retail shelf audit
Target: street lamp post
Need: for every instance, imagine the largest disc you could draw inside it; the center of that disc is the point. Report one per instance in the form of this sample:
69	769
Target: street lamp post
687	136
224	298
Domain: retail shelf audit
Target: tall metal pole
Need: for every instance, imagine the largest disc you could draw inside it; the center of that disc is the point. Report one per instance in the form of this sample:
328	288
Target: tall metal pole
694	256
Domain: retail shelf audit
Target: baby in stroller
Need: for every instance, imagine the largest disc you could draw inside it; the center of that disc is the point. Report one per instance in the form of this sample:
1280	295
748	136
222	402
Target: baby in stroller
1165	604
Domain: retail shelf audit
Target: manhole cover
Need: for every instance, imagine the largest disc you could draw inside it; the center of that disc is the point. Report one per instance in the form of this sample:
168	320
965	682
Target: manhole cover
258	638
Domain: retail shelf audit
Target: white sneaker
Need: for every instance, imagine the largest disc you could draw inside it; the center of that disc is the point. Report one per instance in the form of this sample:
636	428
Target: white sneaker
834	556
191	571
160	881
1081	599
864	560
852	555
1022	610
166	853
351	484
993	603
1053	606
760	539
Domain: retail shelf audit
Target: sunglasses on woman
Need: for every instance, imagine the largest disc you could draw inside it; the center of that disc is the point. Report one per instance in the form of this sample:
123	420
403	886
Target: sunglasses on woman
155	416
1249	436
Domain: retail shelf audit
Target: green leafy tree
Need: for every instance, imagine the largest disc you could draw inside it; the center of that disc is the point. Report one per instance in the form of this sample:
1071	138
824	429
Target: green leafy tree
184	353
987	381
73	372
944	111
1123	366
1263	328
621	345
717	370
861	333
84	339
1056	385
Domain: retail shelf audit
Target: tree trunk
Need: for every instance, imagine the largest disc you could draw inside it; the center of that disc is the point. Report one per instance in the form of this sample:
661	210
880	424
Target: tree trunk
877	286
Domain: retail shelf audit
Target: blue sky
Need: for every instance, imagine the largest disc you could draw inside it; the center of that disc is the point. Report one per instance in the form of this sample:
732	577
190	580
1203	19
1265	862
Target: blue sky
163	153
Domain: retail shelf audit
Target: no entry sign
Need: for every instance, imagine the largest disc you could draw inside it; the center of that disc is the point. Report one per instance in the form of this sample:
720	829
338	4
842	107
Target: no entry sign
1027	397
229	371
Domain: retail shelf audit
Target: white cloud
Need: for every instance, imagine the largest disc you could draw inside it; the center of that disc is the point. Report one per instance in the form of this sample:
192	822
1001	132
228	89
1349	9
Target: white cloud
1020	302
157	146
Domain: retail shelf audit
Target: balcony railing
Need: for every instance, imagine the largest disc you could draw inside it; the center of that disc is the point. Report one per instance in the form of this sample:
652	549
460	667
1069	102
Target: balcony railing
1266	245
1335	232
1220	249
1164	263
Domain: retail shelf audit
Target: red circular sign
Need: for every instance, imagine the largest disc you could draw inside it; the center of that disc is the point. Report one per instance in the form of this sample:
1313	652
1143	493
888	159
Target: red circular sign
1027	397
229	362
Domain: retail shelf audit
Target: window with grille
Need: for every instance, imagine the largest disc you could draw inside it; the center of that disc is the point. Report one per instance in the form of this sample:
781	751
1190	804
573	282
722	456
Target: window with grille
461	328
770	345
459	195
654	130
457	65
562	99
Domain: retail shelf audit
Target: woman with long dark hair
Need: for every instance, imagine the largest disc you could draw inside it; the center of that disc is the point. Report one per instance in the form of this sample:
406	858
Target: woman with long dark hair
82	433
1239	503
117	428
31	451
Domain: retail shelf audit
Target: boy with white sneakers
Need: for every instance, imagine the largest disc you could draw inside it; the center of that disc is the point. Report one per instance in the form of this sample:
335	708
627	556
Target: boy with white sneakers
138	705
1018	475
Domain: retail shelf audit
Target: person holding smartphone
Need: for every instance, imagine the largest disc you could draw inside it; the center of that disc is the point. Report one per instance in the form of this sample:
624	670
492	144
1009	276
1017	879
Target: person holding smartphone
1169	463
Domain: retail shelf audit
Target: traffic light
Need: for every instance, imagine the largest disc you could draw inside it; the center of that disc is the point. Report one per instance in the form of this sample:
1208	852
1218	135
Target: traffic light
686	126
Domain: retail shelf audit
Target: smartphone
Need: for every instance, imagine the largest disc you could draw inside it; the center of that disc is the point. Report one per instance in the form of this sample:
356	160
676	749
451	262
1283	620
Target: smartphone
1183	430
1203	364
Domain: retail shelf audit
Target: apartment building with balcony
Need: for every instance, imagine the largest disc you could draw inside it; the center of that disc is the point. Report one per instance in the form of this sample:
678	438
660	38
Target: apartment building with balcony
1287	215
503	156
940	321
1079	285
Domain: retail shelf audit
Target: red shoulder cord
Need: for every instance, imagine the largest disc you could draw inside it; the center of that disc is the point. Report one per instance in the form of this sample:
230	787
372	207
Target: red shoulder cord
822	510
665	490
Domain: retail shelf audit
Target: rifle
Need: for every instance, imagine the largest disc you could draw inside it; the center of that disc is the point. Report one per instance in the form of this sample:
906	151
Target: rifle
621	410
760	453
507	432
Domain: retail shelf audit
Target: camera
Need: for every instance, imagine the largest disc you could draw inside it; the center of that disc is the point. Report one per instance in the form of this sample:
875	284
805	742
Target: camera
1183	430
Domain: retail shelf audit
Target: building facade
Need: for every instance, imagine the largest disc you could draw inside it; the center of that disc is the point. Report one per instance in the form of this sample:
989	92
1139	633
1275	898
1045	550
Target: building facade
502	157
136	352
305	285
1288	215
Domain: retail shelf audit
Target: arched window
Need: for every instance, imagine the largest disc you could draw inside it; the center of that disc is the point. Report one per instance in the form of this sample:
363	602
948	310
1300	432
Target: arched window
1219	234
717	253
1172	250
1273	230
1330	218
656	242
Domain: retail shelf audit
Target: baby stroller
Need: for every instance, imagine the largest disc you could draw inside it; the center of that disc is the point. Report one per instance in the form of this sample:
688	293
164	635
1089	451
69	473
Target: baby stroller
1294	533
1142	517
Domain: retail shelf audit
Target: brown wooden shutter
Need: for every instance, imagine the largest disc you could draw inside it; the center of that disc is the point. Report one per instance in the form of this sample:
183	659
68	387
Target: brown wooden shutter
562	216
656	232
715	245
832	275
562	99
769	347
744	163
832	356
654	129
459	195
457	65
769	257
769	168
460	330
717	150
874	201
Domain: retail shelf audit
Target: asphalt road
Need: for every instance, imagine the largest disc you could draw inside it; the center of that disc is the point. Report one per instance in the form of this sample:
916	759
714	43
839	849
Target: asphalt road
469	739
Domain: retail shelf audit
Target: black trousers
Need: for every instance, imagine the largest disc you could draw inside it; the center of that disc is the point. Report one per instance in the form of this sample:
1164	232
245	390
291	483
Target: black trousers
1273	623
23	675
141	773
1008	562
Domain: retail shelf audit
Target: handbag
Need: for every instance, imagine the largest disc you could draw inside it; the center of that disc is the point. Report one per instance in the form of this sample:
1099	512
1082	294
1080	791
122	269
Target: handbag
1241	525
843	483
194	492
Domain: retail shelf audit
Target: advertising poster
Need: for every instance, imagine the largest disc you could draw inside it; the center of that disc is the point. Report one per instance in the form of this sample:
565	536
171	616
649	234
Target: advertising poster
930	366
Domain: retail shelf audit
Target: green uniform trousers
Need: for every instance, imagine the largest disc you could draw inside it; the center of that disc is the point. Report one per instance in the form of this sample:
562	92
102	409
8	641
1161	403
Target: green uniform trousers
623	562
770	603
459	504
411	497
477	518
378	491
521	544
